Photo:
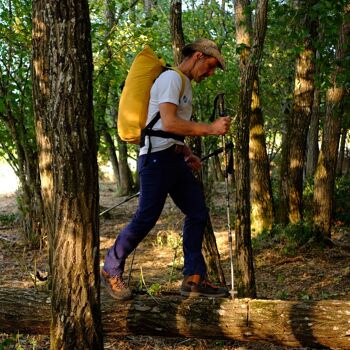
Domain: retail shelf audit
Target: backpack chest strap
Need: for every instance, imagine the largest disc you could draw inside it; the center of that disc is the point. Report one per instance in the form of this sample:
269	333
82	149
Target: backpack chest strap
148	131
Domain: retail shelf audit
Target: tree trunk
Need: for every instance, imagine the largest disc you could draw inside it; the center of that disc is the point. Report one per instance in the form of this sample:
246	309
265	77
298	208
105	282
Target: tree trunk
249	63
347	163
43	124
112	153
30	202
210	250
300	118
283	185
340	162
262	216
219	175
178	41
313	133
103	129
75	307
299	124
325	173
114	136
110	15
312	148
126	181
212	255
315	324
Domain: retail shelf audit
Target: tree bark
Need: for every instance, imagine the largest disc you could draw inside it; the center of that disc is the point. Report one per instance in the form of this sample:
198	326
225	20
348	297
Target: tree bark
313	133
283	184
262	212
300	118
75	307
326	167
212	255
249	63
43	124
312	147
178	41
316	324
299	124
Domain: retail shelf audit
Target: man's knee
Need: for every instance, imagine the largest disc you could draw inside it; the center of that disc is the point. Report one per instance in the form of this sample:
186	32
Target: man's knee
200	216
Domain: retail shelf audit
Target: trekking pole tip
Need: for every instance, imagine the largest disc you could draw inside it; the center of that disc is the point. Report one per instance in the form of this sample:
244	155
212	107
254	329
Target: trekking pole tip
233	294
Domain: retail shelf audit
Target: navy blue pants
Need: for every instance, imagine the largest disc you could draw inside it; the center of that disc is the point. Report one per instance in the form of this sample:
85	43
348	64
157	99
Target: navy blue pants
164	173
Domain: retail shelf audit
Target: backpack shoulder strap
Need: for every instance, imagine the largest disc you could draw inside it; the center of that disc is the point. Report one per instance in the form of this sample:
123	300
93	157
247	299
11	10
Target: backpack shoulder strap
183	80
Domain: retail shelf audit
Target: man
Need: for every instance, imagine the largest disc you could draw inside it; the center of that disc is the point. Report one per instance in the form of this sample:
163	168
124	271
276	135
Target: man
164	168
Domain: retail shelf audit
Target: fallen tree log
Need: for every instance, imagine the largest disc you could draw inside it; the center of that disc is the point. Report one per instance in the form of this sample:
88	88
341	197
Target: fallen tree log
318	324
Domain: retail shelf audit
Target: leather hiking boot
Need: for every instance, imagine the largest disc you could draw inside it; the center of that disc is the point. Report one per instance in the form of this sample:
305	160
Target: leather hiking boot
116	286
196	286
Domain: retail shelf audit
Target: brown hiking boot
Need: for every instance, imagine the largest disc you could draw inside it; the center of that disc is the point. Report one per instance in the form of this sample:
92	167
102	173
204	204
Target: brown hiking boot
116	286
196	286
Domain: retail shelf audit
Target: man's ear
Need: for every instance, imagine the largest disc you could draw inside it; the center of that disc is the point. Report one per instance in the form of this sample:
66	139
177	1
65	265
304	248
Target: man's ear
197	55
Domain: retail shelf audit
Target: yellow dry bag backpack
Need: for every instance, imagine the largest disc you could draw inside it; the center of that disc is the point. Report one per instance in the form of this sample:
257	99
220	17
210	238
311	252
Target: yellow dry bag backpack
134	100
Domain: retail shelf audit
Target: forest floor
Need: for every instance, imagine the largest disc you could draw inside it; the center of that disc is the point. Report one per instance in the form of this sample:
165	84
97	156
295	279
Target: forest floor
282	270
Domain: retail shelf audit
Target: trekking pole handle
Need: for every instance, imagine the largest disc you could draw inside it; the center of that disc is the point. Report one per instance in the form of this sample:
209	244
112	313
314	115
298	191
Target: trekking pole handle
220	98
218	106
221	104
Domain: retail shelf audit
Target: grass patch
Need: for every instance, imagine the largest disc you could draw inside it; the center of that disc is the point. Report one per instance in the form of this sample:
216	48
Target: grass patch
291	237
7	219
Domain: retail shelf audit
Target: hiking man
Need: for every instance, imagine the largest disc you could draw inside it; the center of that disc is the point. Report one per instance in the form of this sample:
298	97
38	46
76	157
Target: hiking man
164	167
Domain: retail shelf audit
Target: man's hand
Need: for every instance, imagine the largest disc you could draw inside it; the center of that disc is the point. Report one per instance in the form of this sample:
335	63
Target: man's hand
193	162
220	126
172	123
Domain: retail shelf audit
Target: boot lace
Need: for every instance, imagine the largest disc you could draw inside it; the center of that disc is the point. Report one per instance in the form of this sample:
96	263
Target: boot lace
210	284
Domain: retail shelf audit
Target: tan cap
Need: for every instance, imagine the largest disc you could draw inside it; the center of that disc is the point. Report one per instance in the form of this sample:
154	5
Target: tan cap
207	47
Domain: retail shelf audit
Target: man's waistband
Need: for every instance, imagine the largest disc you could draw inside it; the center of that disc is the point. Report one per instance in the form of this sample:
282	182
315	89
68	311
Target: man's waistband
174	149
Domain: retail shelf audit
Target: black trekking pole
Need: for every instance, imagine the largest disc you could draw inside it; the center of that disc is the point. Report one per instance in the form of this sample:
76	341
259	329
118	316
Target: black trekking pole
228	146
221	109
120	203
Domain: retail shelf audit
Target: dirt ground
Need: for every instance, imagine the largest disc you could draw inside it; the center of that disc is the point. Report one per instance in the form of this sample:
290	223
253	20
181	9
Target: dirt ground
301	274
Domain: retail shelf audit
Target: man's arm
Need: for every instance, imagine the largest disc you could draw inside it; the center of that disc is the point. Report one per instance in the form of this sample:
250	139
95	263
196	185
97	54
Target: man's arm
172	123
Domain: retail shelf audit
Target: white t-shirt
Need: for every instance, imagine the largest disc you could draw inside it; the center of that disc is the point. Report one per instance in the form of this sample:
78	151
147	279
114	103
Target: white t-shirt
167	88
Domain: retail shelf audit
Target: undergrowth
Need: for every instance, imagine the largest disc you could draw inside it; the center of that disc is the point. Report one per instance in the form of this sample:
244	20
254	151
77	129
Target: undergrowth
290	237
342	203
294	236
7	220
